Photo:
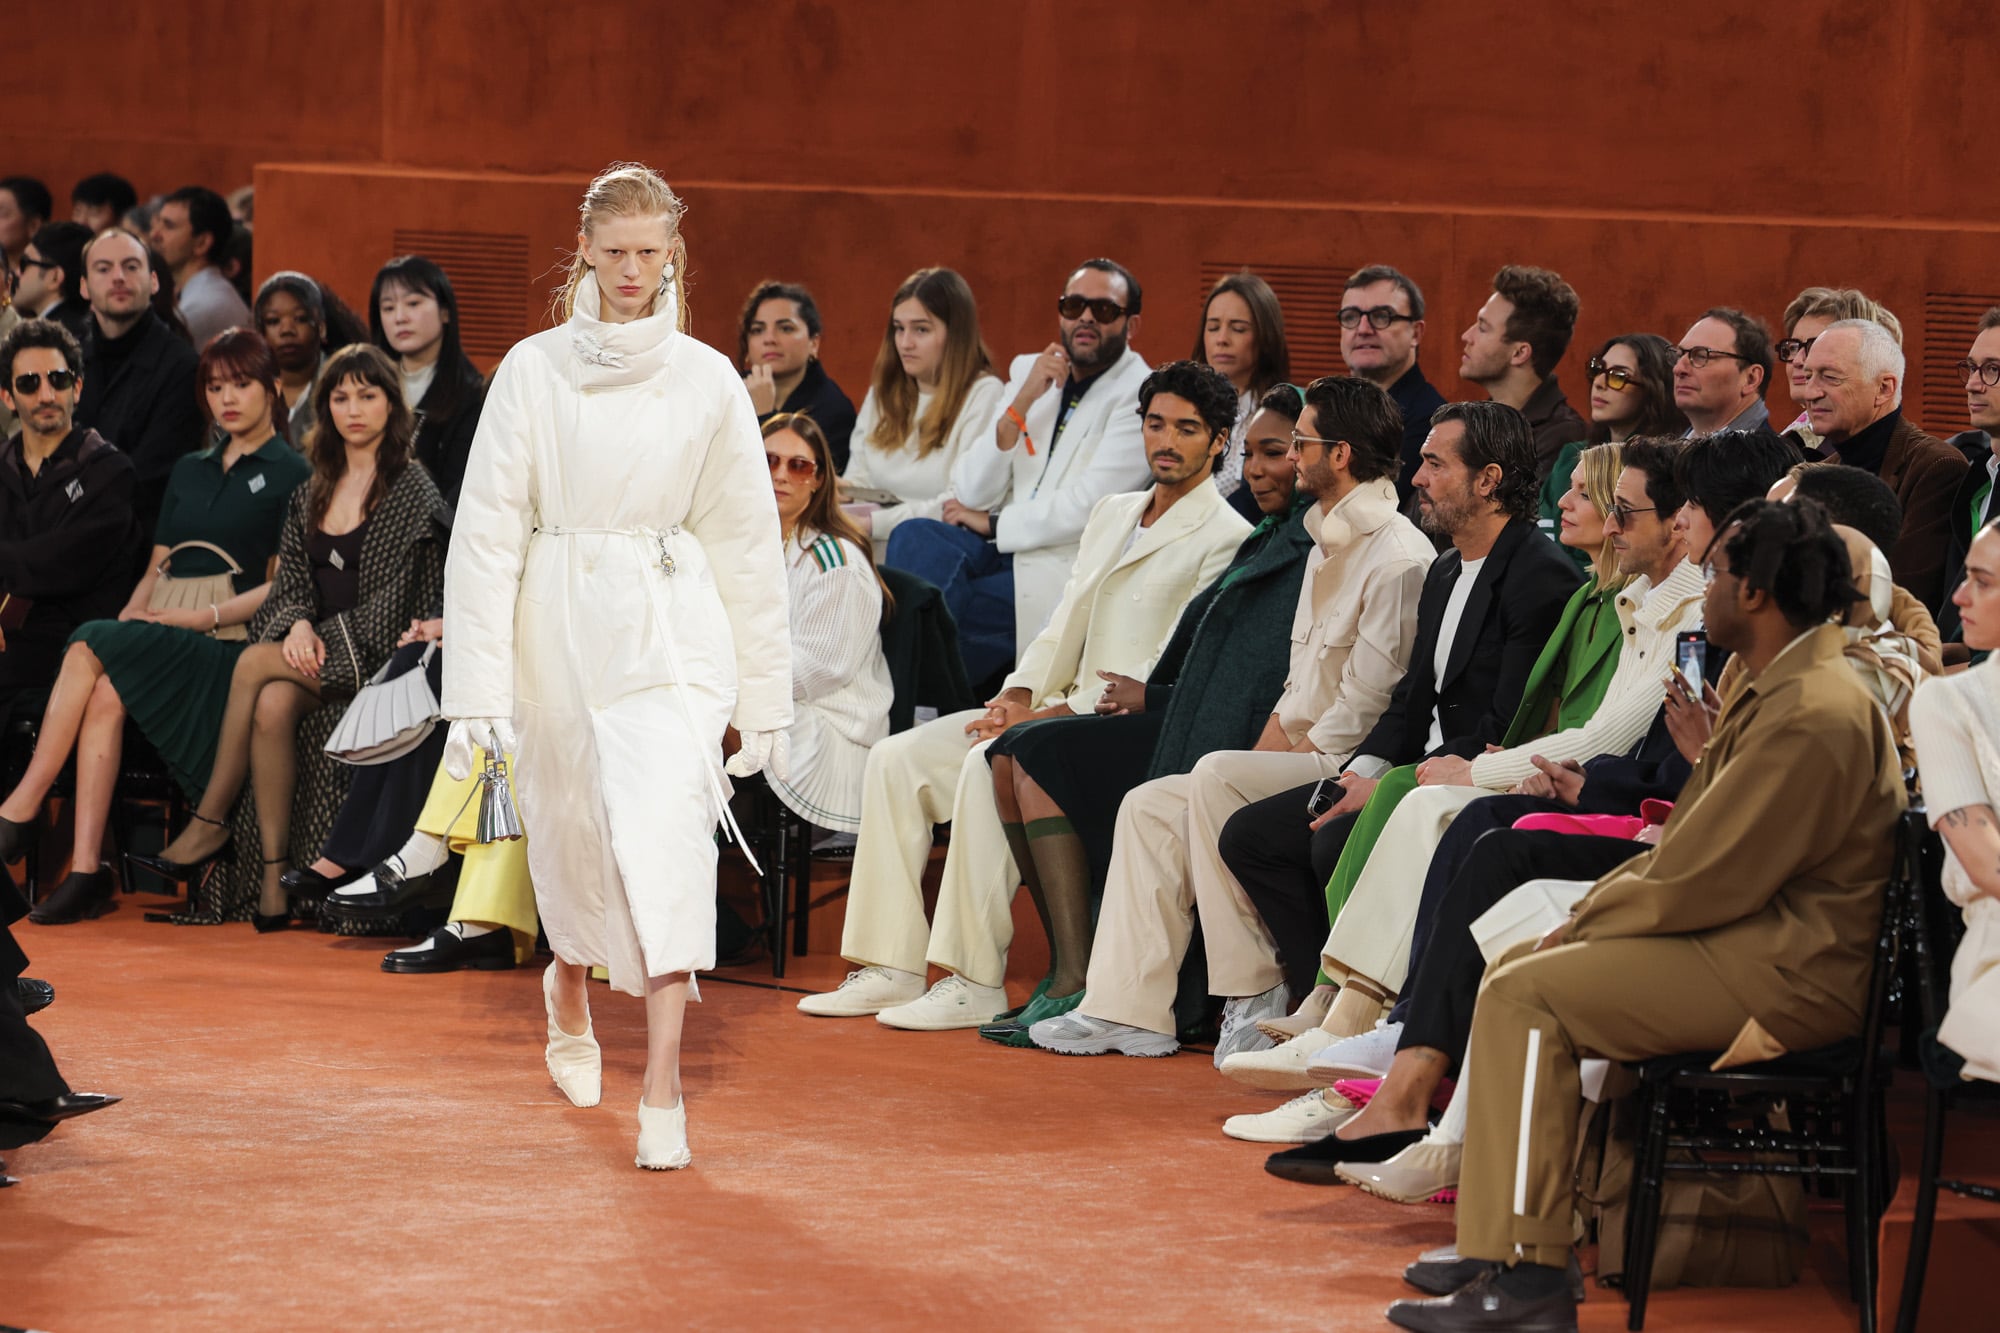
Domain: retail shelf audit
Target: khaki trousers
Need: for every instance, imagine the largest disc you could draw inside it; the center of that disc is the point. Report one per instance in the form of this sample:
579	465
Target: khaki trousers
1165	868
1370	939
914	781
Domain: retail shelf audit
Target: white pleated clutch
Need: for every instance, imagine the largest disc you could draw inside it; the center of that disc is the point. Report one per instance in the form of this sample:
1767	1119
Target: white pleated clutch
389	717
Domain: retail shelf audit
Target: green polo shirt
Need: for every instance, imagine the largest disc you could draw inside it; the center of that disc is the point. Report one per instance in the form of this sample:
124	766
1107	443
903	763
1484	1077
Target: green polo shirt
242	510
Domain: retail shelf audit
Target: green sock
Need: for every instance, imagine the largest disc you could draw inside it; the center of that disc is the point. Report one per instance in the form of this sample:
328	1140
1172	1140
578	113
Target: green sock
1024	866
1064	869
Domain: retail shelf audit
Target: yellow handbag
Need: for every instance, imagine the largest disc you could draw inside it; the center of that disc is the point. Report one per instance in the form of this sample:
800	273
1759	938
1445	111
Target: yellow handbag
198	593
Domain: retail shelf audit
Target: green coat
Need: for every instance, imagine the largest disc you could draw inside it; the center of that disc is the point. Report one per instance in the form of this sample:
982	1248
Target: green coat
1575	667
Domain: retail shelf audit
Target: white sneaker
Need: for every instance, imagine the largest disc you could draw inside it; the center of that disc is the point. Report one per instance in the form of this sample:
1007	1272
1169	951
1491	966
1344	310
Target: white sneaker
1239	1022
1306	1118
663	1137
1366	1056
1078	1033
1283	1067
955	1002
868	991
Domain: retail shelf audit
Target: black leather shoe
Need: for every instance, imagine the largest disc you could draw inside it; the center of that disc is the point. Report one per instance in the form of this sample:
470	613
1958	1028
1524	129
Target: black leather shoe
1484	1304
449	952
35	995
1441	1272
65	1107
14	838
79	897
306	882
391	894
1313	1163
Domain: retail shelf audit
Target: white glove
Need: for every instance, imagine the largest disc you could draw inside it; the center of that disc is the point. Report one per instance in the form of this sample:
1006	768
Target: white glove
468	736
761	751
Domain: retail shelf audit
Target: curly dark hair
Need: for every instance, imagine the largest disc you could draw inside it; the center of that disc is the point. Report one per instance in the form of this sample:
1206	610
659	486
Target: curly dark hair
1791	552
1213	396
1545	311
1497	434
38	333
1347	407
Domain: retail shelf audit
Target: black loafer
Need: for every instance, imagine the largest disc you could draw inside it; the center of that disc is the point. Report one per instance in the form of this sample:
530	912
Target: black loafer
449	952
1484	1304
78	898
305	882
391	894
1313	1163
1440	1272
35	995
66	1107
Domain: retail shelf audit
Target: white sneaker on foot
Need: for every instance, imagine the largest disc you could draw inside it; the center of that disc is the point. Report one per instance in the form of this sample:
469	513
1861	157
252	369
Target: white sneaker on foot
1306	1118
1283	1067
1077	1033
1366	1056
1239	1021
955	1002
663	1137
868	991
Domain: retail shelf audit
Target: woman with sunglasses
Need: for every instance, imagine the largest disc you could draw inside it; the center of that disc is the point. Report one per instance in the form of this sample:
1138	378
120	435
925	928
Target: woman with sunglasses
840	680
1242	334
1811	313
1631	394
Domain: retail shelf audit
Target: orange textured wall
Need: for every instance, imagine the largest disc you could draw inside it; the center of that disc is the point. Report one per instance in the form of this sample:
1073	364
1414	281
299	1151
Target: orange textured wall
1662	161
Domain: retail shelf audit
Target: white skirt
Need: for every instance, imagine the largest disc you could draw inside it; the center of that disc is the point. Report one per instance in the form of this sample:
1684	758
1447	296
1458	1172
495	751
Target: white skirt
823	786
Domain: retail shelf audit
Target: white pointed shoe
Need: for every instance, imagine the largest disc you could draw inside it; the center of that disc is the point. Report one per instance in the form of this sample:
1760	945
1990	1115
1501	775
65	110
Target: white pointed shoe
575	1063
1306	1118
955	1002
663	1137
1283	1067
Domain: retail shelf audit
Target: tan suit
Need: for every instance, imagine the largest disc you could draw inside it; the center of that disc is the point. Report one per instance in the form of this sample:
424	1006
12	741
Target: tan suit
1116	614
1750	927
1351	642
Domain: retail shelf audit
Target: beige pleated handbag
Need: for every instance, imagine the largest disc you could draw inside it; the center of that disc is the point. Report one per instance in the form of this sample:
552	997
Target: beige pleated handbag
199	593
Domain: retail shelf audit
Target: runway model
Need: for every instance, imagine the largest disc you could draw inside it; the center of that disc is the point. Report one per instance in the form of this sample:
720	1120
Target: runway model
615	597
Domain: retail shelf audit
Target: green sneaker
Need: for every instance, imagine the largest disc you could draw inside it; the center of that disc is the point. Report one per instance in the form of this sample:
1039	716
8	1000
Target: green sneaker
1009	1015
1015	1032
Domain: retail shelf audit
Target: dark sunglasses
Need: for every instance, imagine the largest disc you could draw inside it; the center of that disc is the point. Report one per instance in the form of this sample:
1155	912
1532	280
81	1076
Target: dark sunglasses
1614	377
59	380
1381	317
797	467
29	261
1103	309
1794	349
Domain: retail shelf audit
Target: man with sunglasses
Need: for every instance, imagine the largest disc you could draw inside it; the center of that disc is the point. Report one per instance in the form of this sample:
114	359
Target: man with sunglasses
138	385
68	540
50	285
1853	394
1381	326
1022	492
1974	502
1721	370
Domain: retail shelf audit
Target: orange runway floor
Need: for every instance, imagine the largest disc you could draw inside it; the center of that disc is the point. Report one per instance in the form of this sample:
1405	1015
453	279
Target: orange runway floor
309	1143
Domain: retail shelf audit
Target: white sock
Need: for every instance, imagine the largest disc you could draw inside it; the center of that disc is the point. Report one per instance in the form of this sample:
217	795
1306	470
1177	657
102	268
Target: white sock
465	930
421	855
1450	1127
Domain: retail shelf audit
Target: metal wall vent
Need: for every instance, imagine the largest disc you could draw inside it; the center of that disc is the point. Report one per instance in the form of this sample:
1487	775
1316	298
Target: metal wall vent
489	276
1951	319
1310	295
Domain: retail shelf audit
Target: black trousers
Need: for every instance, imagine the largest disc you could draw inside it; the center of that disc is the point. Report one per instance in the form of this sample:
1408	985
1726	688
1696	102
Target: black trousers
28	1072
1444	988
1283	865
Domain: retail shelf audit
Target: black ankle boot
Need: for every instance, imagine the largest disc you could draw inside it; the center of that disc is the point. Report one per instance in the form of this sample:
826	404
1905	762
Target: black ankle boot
79	897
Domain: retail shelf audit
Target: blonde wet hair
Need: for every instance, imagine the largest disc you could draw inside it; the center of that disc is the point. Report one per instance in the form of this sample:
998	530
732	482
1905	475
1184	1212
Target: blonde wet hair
629	190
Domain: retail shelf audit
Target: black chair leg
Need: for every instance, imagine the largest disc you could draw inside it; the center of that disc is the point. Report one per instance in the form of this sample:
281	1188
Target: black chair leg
1862	1192
1926	1217
776	900
1647	1200
801	874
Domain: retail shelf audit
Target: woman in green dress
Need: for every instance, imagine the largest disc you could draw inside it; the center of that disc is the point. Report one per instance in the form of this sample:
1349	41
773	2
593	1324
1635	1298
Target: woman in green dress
169	669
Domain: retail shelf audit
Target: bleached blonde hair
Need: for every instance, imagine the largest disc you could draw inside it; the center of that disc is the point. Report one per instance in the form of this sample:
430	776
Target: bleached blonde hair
629	190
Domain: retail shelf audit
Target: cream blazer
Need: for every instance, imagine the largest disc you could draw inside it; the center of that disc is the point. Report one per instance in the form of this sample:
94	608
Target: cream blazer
1046	497
1129	587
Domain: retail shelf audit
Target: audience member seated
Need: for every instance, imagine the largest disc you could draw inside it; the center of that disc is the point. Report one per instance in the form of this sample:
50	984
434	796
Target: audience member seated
1954	721
1059	782
840	682
1722	369
166	303
1863	502
1749	930
139	389
68	542
1242	334
1381	327
34	1096
25	207
934	391
191	232
777	345
166	660
101	202
1512	349
1631	396
237	261
303	322
361	556
1352	624
1066	438
1854	395
1142	557
1808	316
50	285
1487	608
1972	505
413	316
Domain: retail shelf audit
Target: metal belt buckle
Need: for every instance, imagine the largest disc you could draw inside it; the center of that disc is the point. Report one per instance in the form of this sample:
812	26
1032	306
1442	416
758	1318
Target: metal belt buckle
666	556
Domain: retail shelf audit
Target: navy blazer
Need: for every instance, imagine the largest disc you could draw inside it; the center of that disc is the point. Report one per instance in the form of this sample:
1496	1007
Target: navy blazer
1513	608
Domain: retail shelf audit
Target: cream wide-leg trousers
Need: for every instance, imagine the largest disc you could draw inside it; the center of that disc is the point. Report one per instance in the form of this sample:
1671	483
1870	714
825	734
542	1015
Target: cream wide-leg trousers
914	781
1165	868
1370	939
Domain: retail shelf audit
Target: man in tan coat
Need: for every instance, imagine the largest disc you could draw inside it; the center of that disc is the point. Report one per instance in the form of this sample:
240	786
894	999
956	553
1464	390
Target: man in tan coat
1749	930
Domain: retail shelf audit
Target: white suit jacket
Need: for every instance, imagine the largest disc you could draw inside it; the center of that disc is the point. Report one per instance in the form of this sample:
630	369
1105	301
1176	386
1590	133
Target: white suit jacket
1119	607
1046	497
